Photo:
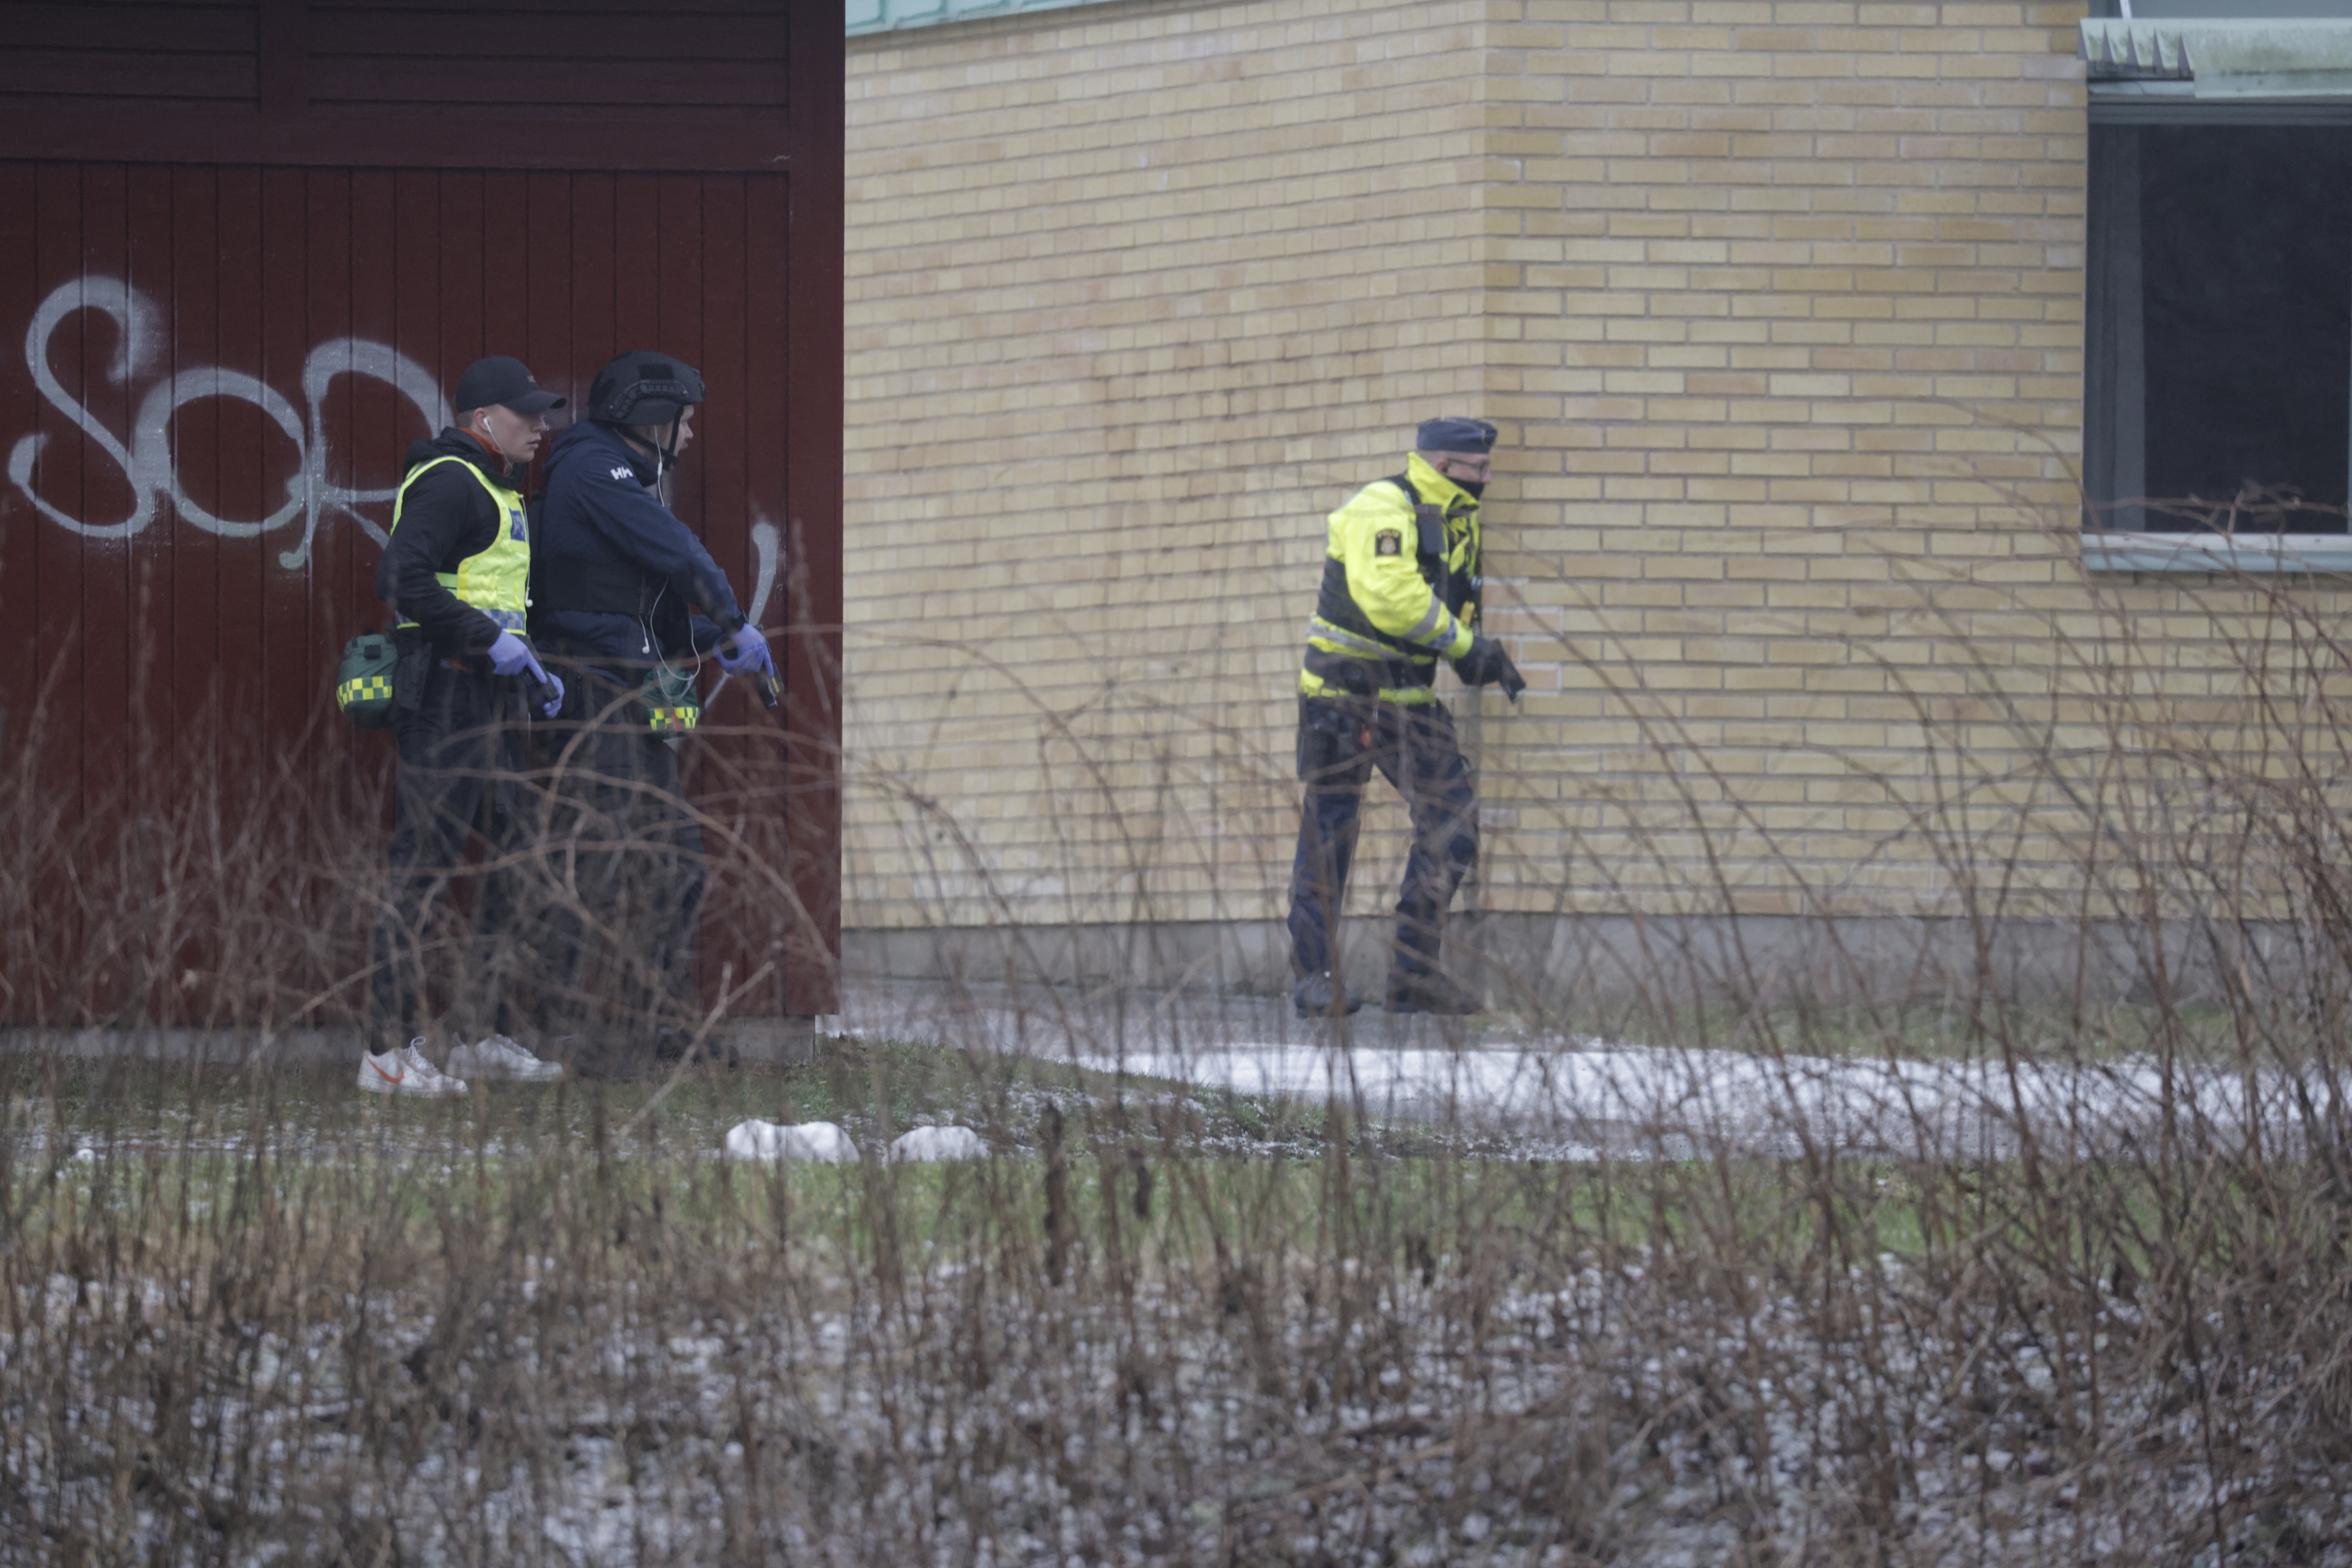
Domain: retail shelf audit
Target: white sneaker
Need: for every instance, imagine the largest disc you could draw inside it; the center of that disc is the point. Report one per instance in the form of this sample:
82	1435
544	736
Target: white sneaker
405	1071
499	1056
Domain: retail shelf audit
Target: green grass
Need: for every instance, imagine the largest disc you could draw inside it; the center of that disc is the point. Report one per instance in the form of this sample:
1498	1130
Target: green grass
874	1091
190	1156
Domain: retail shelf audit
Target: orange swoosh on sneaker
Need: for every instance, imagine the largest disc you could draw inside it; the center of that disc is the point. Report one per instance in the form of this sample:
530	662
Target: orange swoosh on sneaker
388	1077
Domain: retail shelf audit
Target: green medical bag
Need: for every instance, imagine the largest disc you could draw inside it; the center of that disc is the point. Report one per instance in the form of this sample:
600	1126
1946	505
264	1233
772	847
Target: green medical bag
363	679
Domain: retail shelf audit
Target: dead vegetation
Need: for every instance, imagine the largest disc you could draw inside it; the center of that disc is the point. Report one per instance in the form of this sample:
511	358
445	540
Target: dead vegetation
265	1322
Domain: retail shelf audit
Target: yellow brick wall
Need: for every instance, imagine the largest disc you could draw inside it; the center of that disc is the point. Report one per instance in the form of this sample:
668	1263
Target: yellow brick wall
1779	307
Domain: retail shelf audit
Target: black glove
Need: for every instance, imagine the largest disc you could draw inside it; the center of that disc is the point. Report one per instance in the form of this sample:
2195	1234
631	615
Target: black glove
1485	664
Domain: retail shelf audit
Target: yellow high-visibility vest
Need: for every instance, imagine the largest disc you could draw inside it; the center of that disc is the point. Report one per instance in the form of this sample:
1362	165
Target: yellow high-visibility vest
497	582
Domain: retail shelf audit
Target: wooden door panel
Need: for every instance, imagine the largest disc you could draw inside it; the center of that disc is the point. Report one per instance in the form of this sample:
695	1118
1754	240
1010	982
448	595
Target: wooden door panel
215	372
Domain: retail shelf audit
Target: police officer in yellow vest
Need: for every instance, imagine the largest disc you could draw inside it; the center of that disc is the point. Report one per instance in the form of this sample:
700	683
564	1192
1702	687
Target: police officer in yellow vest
456	571
1401	585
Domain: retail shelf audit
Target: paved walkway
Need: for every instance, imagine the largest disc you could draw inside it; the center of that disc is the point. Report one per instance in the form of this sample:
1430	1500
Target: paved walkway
1587	1095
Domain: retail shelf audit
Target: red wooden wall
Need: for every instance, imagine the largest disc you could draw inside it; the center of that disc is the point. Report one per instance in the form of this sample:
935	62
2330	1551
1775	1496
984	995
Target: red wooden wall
252	248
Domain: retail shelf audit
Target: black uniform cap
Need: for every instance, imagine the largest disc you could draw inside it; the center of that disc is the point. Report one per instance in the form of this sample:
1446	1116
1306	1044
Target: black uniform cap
502	382
1455	435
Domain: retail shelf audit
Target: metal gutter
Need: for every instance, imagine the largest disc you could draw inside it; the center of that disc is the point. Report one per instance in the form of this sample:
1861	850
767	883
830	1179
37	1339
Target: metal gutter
866	17
2224	59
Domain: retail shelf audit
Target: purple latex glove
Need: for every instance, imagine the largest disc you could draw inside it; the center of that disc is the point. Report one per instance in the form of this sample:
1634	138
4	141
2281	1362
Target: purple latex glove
745	651
510	655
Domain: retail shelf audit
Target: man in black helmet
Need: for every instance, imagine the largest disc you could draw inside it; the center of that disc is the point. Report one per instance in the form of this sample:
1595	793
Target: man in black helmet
1400	592
625	600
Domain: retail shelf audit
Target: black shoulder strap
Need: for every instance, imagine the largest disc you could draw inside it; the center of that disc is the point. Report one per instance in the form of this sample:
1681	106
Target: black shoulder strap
1429	518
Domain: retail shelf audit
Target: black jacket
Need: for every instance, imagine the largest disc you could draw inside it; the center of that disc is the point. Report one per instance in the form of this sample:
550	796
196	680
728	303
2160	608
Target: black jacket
611	567
444	517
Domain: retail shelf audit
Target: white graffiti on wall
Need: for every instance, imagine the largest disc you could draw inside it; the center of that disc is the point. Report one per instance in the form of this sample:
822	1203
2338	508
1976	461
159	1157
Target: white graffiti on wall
149	462
151	467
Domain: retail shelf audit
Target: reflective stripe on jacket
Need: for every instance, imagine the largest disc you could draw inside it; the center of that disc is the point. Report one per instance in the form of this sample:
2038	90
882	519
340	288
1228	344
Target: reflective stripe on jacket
1395	598
498	580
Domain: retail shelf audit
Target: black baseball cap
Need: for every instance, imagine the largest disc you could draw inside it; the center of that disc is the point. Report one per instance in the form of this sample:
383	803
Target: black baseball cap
504	382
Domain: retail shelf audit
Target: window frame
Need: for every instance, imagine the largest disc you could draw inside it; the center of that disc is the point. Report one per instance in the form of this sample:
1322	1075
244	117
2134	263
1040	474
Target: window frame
2113	368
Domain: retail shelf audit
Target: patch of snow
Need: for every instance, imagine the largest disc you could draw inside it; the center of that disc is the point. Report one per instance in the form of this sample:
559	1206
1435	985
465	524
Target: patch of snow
1684	1103
939	1144
820	1142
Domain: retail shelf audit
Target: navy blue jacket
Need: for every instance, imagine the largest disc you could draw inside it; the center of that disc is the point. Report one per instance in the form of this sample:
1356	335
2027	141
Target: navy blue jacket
601	511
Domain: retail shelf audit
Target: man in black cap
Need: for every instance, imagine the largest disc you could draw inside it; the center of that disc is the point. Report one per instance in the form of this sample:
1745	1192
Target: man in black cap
457	572
1400	580
629	599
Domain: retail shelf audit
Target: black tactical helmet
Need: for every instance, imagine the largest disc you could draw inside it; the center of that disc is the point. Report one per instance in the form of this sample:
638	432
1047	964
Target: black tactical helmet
642	388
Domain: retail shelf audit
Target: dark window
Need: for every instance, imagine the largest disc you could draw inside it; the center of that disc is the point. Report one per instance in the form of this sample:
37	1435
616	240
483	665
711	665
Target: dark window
2219	381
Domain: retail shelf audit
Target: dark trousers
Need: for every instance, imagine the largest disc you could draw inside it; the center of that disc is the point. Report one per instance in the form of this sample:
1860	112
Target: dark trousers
462	761
1340	742
629	856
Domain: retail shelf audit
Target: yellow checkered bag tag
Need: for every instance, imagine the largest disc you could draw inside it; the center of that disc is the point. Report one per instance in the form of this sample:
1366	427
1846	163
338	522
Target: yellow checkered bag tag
672	706
363	679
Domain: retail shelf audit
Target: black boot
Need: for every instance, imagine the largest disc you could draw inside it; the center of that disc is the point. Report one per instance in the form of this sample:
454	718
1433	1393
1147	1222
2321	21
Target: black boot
1319	995
1430	992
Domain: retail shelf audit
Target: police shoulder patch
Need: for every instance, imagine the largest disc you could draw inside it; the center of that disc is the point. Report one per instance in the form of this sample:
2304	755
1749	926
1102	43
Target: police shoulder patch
1388	541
